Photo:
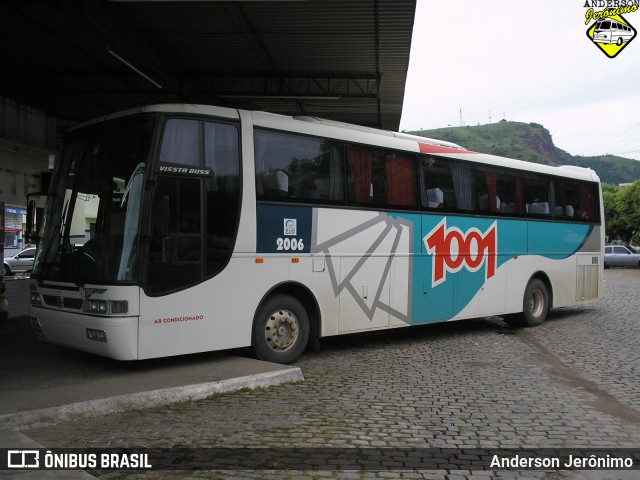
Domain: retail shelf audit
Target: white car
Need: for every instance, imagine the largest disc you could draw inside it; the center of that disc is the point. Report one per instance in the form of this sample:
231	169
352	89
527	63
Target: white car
620	256
20	262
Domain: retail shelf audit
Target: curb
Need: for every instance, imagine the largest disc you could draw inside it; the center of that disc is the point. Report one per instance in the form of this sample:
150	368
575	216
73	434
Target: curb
137	401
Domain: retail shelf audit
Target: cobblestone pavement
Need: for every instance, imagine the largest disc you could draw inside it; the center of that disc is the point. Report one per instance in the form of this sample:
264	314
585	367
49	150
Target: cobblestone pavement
570	383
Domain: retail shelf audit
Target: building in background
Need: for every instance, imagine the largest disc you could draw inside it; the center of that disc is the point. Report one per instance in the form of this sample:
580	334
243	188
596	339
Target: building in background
27	152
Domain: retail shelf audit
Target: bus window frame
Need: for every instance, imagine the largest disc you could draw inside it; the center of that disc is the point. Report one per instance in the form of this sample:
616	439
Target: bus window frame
475	167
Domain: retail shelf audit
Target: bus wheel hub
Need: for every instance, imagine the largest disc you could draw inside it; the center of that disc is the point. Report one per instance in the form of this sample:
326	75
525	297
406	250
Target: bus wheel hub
281	330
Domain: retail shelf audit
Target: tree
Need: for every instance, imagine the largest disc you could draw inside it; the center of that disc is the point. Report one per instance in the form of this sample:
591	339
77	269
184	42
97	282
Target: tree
622	212
628	202
611	214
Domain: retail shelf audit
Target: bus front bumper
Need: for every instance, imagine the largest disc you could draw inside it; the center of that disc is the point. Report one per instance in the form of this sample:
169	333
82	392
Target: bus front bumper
112	337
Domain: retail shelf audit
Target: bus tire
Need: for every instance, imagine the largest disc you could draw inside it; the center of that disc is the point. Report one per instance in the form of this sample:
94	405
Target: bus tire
535	306
280	330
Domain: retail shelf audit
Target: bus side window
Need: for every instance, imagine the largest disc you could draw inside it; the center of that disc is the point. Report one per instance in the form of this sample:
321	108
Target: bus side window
401	180
298	168
436	184
367	177
581	201
181	142
499	192
455	180
588	202
487	185
195	213
540	196
510	192
222	192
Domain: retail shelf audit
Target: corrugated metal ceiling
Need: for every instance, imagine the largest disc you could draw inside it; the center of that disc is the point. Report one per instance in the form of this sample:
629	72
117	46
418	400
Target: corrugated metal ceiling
344	60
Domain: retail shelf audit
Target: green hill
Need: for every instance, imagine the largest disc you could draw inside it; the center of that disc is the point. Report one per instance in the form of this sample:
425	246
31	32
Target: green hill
533	143
611	168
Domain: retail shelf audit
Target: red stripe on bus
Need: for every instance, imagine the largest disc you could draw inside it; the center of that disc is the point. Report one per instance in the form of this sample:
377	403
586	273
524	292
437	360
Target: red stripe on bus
430	148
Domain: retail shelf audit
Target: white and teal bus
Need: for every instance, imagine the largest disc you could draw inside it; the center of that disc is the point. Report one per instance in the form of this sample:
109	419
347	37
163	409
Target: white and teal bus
175	229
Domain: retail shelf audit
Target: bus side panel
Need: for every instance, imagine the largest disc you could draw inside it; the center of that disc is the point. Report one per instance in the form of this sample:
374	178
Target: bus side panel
368	262
284	233
494	296
431	303
401	279
470	267
460	261
214	315
312	272
562	243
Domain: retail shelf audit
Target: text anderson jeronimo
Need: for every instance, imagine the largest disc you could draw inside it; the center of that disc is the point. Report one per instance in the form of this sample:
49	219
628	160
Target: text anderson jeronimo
591	461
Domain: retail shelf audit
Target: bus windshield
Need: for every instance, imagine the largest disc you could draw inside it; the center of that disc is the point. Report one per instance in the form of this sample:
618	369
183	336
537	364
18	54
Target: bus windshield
91	223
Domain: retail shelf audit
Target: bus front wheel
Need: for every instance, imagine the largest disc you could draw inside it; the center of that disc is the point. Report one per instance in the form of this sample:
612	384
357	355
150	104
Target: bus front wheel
280	330
535	306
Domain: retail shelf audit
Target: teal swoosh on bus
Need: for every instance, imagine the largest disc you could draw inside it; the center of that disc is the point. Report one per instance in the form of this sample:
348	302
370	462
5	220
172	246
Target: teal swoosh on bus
467	252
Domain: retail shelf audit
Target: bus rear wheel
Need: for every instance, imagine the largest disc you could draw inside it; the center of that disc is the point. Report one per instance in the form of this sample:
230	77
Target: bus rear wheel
535	306
280	330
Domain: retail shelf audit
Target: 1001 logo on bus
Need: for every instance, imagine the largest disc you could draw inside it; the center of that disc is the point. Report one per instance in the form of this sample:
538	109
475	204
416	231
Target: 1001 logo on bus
453	249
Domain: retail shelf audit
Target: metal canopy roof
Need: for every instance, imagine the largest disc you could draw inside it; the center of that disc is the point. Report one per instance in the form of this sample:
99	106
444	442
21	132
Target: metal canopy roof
337	59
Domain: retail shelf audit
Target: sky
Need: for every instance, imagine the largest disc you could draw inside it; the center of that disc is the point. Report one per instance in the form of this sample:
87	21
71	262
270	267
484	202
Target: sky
525	62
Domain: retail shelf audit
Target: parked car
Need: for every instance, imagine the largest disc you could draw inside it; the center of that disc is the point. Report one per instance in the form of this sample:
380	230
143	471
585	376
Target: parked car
20	262
621	256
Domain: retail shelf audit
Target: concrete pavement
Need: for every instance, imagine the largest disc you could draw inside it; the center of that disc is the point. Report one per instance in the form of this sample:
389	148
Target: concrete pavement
43	384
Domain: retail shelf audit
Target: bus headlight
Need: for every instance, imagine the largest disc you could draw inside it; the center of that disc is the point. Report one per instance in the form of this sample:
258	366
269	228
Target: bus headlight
118	307
36	299
95	306
105	307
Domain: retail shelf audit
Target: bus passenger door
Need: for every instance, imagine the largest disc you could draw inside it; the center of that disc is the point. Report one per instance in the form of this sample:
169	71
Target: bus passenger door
192	223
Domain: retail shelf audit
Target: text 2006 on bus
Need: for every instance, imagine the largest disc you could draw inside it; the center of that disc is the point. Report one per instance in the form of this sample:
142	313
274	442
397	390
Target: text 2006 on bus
175	229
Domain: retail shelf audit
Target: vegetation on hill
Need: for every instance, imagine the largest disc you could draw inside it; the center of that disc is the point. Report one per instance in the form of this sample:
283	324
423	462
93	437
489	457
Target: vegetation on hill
533	143
611	168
